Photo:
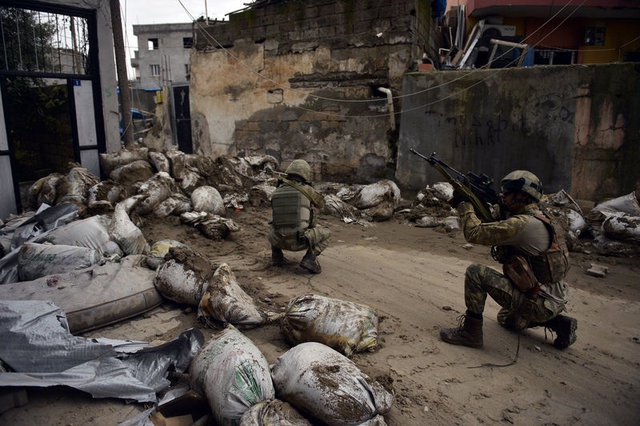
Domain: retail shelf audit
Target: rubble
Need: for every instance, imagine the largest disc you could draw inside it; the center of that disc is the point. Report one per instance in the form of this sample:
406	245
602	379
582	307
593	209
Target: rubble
99	221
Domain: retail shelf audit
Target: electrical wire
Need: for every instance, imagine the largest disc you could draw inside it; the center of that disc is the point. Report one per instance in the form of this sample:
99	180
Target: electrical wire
215	42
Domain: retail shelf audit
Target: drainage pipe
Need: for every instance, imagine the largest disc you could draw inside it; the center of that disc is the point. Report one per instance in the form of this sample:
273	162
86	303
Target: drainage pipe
392	116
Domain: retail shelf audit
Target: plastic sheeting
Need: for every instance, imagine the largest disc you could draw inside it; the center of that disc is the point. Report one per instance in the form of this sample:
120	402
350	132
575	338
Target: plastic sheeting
38	345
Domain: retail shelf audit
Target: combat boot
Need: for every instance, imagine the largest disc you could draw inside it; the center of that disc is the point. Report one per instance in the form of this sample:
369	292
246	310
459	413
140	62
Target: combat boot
468	333
310	263
277	257
565	328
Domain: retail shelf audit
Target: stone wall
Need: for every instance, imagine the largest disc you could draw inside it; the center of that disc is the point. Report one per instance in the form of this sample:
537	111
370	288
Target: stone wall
576	127
301	79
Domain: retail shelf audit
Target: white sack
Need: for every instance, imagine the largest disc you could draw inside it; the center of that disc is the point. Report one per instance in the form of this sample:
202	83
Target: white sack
233	374
91	232
207	199
345	326
375	193
39	260
626	204
327	385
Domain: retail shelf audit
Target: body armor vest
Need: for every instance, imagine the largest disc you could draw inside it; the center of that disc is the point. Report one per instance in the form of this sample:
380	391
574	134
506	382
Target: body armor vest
552	265
291	210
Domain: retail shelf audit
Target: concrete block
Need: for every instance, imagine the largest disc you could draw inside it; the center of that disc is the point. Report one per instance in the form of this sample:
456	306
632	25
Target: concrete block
599	271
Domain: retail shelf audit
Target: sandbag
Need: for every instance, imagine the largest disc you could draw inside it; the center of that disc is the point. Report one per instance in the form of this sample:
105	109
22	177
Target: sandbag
124	232
154	191
622	227
233	374
159	250
207	199
91	232
626	204
104	196
273	412
113	160
210	225
327	385
225	301
375	193
184	277
45	219
345	326
175	204
74	187
131	174
39	260
159	161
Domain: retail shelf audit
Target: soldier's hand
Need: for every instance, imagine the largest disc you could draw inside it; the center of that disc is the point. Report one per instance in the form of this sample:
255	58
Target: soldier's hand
457	198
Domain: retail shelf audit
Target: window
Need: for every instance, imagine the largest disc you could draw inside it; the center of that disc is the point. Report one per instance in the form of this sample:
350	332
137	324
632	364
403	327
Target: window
553	57
594	36
187	69
187	42
155	69
152	44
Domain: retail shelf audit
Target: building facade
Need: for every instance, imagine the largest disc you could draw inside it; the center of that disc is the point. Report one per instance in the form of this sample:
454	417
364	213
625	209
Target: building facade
162	58
559	32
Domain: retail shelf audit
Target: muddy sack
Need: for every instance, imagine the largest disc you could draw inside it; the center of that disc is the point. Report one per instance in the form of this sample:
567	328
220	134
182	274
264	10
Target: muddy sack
154	191
233	374
622	227
178	282
225	301
342	325
39	260
273	412
158	252
327	385
124	232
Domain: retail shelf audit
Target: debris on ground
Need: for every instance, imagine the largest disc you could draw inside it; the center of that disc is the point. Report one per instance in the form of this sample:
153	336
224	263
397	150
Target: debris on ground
81	236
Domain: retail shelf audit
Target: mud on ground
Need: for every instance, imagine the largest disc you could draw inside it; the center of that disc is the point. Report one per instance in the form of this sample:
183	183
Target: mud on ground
413	278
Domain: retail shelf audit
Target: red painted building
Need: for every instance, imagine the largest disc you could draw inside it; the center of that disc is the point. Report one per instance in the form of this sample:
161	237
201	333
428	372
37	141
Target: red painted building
560	31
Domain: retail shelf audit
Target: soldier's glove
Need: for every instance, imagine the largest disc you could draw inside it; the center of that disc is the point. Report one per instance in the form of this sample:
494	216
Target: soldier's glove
457	198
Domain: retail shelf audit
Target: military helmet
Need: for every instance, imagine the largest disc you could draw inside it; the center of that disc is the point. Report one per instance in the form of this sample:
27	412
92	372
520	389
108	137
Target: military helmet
300	168
522	180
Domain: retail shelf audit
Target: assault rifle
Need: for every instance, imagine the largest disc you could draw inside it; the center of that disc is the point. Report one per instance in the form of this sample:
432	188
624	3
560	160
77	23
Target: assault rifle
474	188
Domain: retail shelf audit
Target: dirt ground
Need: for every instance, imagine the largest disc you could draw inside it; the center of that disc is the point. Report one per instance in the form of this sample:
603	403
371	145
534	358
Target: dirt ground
413	278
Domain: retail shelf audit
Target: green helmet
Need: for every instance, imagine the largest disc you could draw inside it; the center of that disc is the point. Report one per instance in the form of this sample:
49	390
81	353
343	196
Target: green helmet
522	180
300	168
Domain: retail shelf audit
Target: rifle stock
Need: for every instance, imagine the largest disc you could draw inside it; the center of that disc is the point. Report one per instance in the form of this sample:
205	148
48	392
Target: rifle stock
473	188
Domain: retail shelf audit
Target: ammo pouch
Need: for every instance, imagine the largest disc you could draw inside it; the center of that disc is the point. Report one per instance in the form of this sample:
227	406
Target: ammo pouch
517	269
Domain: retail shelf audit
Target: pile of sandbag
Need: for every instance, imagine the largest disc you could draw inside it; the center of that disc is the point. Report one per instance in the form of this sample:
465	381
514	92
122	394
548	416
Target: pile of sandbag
187	278
310	382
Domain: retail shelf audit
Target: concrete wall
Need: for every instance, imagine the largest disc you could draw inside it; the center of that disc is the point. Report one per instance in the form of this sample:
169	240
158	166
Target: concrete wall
300	79
576	127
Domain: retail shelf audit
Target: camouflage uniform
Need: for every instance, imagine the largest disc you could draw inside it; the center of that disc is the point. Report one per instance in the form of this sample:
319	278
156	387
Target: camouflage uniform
522	231
293	225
